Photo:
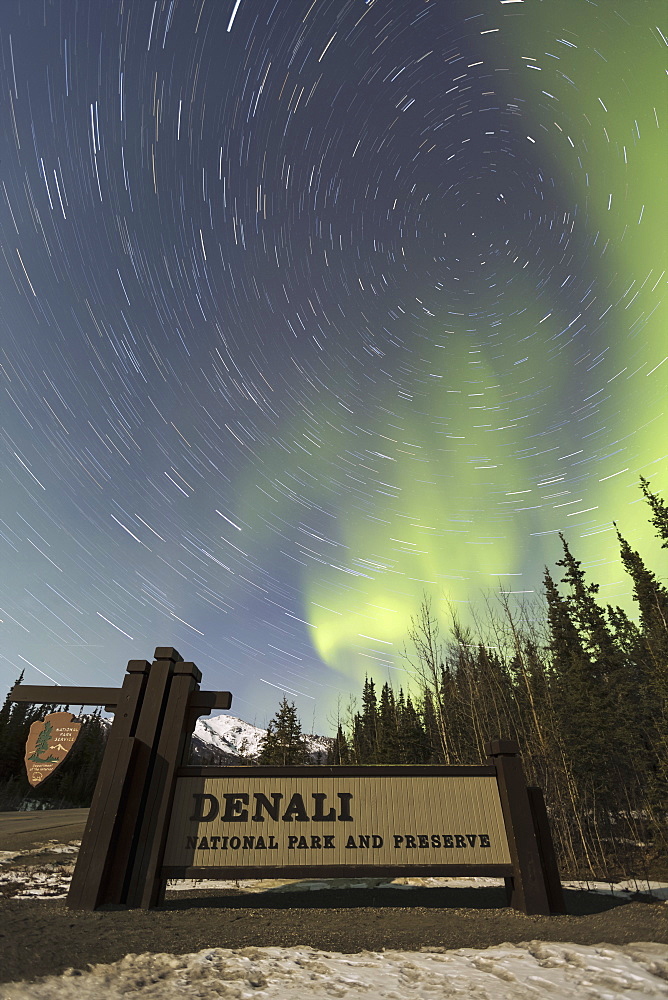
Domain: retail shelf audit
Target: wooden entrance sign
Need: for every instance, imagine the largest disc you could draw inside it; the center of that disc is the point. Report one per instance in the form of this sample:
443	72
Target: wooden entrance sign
152	818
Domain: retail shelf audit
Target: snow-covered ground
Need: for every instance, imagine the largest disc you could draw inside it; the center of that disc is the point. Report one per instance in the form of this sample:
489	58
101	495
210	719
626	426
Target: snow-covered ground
46	870
535	969
506	972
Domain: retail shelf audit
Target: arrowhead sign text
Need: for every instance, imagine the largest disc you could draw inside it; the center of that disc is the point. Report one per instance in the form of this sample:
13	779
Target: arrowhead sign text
49	742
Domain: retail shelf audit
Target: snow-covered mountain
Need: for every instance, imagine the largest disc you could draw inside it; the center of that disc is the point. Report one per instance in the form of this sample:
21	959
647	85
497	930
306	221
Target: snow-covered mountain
227	737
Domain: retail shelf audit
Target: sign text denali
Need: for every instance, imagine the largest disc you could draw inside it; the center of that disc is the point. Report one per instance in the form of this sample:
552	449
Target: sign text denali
380	819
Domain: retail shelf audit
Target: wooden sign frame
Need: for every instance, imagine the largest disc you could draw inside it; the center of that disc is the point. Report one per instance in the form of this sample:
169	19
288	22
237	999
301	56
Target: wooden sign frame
121	857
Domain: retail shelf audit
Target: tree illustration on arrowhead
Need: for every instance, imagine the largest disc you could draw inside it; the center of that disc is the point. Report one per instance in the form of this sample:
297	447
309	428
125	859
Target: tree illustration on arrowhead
42	746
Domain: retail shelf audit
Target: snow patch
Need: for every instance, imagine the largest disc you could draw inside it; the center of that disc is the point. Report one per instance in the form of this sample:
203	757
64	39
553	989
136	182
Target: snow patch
23	876
231	735
234	736
505	972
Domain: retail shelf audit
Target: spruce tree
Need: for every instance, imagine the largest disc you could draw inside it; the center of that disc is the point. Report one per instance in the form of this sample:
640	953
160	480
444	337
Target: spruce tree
497	708
284	742
655	635
651	697
414	746
339	751
433	741
449	713
387	736
578	688
11	733
585	612
652	599
75	780
365	726
659	511
614	673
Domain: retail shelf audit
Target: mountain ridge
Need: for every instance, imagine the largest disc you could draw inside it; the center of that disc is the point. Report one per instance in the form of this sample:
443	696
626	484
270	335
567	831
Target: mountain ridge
226	739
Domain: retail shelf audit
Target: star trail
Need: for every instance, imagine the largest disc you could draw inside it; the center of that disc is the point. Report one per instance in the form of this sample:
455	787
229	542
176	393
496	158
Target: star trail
310	308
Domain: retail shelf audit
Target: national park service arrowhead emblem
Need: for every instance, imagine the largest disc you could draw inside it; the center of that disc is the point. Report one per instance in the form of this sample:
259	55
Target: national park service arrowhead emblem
49	742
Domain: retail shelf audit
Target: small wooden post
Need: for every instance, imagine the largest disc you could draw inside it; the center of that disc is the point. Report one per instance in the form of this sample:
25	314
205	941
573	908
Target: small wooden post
527	888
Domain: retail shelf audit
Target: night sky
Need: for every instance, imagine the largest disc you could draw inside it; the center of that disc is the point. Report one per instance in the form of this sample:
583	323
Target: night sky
311	307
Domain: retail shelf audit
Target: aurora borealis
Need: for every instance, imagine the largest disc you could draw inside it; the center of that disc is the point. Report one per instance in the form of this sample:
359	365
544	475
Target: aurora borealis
311	307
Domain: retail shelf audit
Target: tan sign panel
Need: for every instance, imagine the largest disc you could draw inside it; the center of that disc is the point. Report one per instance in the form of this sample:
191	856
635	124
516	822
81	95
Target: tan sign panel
49	742
358	820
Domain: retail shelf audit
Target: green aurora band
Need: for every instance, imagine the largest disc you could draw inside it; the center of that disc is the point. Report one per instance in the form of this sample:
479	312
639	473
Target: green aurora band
461	485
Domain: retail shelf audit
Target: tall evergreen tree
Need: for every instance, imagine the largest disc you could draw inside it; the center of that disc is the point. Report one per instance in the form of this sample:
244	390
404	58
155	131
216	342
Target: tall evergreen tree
613	673
586	613
413	744
652	599
10	735
579	690
284	742
659	512
449	711
651	696
339	751
433	741
387	749
75	780
365	726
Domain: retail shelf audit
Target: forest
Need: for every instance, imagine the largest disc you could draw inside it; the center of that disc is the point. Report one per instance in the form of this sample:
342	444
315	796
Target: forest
581	685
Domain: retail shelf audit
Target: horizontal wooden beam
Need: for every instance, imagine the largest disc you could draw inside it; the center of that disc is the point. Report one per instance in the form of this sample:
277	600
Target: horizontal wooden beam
57	694
210	699
338	771
334	871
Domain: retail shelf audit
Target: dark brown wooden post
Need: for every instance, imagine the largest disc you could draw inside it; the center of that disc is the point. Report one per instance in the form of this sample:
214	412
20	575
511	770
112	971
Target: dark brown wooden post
111	792
548	857
146	888
147	735
527	888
